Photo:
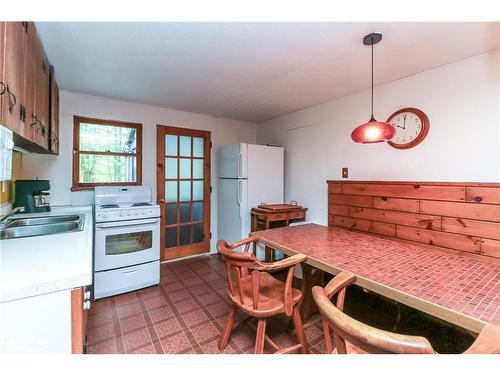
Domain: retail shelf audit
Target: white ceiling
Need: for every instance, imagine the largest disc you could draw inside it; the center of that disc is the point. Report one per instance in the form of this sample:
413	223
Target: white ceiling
248	71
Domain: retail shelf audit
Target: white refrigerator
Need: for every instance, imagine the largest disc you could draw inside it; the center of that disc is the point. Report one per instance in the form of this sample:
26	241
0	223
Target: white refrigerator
249	175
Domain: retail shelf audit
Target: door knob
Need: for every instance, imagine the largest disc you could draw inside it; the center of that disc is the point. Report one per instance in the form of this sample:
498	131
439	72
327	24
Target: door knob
162	200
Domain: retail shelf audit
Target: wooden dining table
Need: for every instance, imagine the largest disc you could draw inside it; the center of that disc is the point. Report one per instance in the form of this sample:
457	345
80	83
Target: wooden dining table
457	288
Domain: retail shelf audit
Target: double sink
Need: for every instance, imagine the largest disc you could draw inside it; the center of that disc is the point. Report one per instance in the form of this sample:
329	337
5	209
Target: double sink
41	226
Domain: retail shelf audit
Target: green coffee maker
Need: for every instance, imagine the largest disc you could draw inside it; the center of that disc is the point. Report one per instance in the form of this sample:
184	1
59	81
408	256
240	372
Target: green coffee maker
33	195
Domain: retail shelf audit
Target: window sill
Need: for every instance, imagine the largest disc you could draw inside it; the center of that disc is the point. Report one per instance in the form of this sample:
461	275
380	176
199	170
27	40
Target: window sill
92	187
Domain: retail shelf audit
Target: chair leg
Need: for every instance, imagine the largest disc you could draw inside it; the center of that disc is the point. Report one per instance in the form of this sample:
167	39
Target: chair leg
299	329
328	340
226	333
261	336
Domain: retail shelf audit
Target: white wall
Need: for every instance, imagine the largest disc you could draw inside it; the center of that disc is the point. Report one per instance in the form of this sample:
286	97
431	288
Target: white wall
58	169
461	100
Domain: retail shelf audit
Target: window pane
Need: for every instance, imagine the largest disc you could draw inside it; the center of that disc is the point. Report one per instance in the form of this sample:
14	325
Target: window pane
197	233
197	190
197	168
104	168
171	168
185	235
171	214
171	237
185	147
198	211
198	147
185	191
185	213
107	138
171	145
185	168
171	191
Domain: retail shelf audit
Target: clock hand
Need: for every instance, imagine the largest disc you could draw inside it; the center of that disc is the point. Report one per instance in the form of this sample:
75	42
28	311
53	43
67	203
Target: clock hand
404	122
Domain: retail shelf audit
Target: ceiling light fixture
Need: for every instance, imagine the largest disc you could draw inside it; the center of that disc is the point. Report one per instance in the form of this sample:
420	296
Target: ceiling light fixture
373	131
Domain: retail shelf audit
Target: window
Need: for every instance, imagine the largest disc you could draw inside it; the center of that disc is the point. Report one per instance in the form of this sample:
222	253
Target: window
106	153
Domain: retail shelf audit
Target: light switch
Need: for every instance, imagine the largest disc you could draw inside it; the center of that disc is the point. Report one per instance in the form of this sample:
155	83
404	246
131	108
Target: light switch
345	172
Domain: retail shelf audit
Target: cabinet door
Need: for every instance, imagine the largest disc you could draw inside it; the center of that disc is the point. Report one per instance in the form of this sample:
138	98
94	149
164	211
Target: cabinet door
54	114
29	82
41	95
14	44
78	320
2	84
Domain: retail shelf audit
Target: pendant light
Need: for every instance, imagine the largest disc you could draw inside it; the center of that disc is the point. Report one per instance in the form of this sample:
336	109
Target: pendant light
373	131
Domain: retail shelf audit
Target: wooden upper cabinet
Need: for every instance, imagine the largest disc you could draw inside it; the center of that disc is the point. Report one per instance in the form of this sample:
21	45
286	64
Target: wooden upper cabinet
42	93
54	114
25	87
2	85
29	82
14	43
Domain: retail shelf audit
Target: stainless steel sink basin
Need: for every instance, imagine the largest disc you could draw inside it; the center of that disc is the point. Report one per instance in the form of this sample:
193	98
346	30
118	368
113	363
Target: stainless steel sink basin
41	226
42	220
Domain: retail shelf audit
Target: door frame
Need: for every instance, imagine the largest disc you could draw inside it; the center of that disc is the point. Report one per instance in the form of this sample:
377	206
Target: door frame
191	249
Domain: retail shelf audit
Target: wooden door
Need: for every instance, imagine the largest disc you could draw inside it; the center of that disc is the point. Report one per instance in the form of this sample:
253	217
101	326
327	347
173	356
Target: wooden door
14	44
183	191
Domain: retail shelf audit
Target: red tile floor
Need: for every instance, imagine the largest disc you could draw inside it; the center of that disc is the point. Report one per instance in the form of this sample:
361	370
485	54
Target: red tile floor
184	314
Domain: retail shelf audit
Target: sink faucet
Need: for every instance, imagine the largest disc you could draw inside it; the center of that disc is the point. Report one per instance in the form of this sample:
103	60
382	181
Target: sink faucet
4	218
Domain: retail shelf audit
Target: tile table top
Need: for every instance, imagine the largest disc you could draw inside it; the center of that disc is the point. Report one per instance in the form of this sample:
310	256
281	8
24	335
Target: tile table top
429	277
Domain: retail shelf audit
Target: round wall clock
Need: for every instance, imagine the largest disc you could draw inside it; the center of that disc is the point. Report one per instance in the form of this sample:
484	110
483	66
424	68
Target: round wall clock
412	126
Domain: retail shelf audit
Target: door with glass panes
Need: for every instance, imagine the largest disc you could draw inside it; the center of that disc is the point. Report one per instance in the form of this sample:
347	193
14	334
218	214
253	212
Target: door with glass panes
183	191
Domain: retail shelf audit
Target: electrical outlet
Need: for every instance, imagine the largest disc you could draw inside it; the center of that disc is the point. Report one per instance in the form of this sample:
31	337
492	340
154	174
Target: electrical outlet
345	172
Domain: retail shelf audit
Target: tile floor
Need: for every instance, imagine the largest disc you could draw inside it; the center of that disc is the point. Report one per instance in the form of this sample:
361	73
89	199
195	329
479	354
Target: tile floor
184	314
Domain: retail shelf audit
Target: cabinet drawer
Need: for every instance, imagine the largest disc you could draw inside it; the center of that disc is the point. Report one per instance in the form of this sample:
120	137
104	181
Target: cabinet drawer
277	217
121	280
296	215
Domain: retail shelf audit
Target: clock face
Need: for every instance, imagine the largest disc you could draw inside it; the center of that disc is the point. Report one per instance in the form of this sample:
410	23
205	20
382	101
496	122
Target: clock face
411	127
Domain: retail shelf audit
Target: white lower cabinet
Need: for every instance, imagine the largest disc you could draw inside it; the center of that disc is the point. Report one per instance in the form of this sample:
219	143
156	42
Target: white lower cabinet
43	324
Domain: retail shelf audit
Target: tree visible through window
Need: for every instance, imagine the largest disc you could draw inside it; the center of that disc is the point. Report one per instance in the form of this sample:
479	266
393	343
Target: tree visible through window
106	153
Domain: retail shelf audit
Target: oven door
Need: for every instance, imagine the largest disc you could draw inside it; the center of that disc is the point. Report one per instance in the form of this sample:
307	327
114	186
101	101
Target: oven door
125	243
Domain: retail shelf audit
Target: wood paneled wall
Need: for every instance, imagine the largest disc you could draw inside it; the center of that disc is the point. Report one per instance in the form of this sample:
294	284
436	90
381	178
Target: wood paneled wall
459	216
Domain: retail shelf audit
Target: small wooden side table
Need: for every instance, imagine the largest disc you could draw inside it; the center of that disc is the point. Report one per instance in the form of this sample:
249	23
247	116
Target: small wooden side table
267	216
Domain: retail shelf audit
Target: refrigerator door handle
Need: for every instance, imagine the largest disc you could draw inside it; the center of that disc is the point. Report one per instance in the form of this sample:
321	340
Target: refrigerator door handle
240	164
239	198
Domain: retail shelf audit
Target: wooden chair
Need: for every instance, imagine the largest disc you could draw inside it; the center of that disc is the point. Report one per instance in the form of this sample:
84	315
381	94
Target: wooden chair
253	290
350	335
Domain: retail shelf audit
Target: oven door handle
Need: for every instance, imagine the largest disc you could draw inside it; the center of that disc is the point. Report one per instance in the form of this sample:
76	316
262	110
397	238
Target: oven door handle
126	223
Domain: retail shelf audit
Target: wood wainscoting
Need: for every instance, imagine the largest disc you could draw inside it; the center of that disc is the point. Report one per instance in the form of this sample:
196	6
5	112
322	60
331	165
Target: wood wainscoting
454	215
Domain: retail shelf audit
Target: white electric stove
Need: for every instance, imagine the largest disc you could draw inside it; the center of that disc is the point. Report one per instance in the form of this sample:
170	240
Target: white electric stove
127	240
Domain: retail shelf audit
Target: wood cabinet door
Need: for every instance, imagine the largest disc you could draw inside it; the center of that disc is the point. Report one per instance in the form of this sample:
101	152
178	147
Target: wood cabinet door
29	81
14	44
42	93
78	321
54	114
2	84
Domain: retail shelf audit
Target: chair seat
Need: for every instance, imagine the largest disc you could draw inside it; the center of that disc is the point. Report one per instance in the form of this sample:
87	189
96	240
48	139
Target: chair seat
271	293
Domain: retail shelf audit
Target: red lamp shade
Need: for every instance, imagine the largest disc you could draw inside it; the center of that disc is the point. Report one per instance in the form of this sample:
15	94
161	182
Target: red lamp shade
373	131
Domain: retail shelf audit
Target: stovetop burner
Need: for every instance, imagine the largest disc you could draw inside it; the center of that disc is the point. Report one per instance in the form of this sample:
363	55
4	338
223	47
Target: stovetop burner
109	206
140	204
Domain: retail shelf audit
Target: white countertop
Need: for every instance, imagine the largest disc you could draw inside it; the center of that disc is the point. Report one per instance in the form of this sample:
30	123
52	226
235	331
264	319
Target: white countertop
32	266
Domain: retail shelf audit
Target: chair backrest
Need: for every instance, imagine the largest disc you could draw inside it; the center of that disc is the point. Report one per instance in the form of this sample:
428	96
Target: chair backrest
237	264
363	336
